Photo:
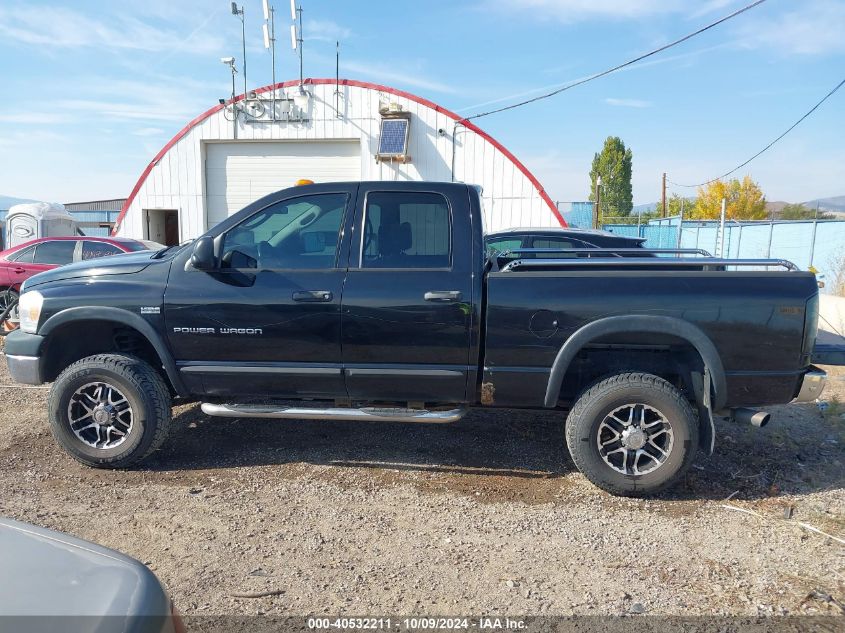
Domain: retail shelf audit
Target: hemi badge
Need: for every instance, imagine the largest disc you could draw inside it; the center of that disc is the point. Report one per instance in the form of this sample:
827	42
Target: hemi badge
150	310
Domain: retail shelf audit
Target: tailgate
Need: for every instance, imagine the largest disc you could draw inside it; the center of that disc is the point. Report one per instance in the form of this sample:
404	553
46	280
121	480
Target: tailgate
829	349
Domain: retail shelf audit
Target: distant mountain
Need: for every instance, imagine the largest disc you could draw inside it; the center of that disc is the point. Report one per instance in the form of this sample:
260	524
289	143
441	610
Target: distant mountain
10	201
836	203
644	208
648	207
774	207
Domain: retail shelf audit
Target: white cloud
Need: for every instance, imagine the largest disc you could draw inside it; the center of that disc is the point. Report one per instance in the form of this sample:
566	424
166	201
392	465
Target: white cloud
148	131
813	28
325	31
157	100
392	73
686	59
569	11
34	118
710	6
628	103
59	27
27	139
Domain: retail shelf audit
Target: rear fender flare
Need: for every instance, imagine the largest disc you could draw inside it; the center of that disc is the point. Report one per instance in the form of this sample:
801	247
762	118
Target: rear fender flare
639	323
124	317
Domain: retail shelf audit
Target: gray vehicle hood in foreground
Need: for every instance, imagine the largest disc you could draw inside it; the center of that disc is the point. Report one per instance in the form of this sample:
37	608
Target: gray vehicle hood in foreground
46	573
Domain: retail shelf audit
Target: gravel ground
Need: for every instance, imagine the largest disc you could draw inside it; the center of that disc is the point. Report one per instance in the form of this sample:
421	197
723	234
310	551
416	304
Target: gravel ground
484	516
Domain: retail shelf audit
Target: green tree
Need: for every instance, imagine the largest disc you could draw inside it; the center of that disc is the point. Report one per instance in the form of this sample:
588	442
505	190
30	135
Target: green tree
745	200
613	164
675	202
802	212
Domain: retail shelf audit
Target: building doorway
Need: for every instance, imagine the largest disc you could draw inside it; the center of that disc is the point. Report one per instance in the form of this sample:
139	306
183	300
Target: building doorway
162	226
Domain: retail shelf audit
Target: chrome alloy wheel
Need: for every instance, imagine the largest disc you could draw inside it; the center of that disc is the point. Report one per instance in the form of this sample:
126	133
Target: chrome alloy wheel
100	415
635	439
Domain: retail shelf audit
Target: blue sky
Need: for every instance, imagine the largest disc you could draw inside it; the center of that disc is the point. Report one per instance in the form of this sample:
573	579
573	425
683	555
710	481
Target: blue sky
92	89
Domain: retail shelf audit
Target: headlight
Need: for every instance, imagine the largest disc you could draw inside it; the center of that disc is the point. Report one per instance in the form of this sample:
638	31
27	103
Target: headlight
29	310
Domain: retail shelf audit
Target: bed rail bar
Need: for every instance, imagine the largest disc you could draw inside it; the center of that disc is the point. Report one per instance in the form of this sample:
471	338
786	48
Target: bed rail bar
706	263
604	252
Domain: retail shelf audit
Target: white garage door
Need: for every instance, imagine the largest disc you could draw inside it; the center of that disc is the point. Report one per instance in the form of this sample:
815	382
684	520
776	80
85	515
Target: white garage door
239	173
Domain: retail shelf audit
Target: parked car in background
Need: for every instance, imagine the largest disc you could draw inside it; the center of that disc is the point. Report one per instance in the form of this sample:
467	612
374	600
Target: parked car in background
25	260
54	581
501	241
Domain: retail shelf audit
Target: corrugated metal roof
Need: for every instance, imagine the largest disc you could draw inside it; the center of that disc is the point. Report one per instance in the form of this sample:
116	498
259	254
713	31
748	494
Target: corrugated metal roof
96	205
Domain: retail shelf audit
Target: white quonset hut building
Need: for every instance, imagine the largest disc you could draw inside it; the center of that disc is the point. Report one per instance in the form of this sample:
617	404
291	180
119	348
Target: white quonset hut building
329	131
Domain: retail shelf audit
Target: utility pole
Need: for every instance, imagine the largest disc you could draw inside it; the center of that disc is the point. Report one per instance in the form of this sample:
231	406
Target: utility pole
597	205
240	13
663	196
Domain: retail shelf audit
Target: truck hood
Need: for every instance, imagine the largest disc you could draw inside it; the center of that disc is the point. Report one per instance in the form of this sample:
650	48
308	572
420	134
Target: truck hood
50	573
124	264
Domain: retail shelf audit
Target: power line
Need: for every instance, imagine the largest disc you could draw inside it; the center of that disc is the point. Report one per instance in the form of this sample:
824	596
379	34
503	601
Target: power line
791	127
619	67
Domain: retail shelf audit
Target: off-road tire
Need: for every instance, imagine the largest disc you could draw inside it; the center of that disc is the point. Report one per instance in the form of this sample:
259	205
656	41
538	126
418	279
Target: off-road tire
143	387
603	397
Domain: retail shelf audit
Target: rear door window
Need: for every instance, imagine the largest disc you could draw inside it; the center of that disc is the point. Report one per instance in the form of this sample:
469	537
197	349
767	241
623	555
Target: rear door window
406	230
59	252
23	256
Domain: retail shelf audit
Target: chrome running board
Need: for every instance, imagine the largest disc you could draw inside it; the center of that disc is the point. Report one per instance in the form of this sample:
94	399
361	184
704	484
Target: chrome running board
364	414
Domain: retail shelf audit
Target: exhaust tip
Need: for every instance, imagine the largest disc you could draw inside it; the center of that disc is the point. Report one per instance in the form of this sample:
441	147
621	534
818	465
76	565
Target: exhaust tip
755	418
760	419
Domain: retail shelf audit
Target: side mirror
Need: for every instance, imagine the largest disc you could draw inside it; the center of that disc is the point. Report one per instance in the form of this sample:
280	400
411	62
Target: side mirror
202	257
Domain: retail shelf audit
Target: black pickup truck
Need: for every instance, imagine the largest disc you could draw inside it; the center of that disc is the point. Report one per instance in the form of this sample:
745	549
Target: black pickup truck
377	301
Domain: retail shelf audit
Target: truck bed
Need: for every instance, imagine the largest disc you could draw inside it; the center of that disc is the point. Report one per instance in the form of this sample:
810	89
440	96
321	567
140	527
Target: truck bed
754	318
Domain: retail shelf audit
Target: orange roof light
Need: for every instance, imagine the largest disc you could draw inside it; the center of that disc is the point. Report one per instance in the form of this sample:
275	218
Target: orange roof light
304	181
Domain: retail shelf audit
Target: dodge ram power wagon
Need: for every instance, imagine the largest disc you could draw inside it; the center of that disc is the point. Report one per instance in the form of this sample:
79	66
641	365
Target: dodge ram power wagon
377	301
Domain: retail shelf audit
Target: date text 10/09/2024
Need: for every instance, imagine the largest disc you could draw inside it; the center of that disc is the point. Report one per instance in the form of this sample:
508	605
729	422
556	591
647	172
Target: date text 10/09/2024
417	623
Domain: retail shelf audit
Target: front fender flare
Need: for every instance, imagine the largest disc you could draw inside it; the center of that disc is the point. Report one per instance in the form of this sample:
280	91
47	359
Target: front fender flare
124	317
655	324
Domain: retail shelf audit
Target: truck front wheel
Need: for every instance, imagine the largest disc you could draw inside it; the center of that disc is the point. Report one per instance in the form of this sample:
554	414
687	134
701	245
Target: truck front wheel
109	410
632	434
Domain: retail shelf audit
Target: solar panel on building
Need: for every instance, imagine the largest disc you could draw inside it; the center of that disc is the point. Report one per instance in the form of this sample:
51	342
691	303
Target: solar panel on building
394	137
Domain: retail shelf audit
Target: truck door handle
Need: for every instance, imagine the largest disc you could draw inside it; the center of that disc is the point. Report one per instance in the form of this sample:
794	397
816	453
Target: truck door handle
443	295
19	270
312	296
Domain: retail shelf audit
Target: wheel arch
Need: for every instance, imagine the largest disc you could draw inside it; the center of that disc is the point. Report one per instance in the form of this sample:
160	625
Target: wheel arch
648	324
82	314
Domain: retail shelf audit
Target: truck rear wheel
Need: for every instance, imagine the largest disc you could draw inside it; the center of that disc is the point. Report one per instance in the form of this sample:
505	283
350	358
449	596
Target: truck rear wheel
110	410
632	434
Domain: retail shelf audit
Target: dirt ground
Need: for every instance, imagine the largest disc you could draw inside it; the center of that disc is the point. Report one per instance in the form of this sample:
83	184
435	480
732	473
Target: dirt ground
484	516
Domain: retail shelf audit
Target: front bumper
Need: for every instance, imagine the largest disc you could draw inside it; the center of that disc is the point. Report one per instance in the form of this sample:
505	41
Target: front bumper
812	385
23	356
25	369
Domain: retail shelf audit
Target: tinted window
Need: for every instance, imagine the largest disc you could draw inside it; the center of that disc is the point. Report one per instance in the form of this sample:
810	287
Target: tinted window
58	252
23	256
502	244
299	233
406	230
92	250
554	243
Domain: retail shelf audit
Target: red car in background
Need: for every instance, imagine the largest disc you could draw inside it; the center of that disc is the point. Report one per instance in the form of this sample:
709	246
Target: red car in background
22	262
